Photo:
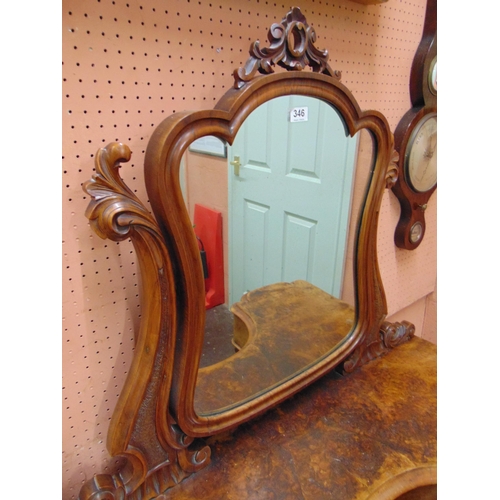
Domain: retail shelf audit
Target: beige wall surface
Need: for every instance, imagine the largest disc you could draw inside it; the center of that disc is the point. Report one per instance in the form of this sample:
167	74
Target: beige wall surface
127	65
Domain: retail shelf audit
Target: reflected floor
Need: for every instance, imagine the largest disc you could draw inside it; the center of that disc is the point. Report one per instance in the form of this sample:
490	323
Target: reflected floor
218	336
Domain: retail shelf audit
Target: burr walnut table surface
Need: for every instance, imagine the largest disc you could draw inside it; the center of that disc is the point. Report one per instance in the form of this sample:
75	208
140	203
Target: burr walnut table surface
370	434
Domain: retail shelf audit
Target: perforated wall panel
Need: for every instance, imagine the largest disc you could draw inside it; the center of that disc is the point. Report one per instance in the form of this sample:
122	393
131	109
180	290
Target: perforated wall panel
127	65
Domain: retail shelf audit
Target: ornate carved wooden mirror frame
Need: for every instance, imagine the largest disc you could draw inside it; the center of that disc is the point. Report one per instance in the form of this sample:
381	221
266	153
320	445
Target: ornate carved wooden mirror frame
155	425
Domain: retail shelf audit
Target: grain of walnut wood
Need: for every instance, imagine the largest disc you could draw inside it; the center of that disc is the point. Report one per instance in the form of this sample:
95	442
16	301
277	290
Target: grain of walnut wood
369	435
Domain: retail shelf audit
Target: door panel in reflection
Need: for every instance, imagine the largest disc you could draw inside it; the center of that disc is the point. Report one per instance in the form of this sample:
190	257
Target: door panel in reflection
302	172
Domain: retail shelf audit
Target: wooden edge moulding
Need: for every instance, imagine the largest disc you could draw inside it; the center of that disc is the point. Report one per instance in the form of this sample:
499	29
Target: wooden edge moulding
155	426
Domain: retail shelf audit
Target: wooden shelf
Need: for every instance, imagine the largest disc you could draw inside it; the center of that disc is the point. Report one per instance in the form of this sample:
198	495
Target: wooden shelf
369	2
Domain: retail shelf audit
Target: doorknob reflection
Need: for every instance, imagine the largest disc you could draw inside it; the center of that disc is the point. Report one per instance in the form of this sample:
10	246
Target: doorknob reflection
236	164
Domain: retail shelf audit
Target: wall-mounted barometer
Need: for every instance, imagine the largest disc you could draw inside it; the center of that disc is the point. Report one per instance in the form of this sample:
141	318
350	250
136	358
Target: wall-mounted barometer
415	140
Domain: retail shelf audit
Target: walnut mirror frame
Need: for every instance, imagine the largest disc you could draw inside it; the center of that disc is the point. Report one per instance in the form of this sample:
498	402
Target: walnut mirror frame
155	425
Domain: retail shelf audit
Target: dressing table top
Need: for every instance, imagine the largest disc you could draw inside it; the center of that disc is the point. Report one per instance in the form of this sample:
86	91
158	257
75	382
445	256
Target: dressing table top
373	435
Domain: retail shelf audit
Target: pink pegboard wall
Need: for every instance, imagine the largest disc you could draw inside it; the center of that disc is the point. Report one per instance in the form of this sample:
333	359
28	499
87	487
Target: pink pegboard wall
127	65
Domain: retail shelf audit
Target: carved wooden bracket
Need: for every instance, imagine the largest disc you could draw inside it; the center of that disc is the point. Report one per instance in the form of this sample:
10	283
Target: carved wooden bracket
389	336
292	47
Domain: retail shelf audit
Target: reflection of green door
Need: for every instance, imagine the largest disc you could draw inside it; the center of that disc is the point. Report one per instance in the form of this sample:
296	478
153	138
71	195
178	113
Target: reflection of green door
289	206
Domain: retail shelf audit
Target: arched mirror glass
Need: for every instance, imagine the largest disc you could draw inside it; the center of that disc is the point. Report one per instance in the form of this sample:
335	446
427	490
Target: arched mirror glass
288	195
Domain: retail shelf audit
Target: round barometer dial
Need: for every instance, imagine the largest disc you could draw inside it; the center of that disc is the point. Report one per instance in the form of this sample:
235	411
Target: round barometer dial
421	156
416	232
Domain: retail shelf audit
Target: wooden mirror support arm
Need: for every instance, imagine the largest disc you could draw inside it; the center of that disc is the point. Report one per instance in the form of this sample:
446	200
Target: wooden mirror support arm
379	340
142	429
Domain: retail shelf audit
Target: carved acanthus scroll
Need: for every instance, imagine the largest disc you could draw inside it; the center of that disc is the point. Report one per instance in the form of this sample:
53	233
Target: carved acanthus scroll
394	334
389	336
292	47
114	209
142	430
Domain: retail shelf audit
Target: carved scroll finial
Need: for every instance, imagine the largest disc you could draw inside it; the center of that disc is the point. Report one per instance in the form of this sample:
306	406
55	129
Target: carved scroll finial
114	208
292	47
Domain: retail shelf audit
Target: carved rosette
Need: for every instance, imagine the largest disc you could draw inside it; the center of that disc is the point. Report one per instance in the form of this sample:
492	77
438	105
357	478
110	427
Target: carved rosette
390	336
292	47
157	453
